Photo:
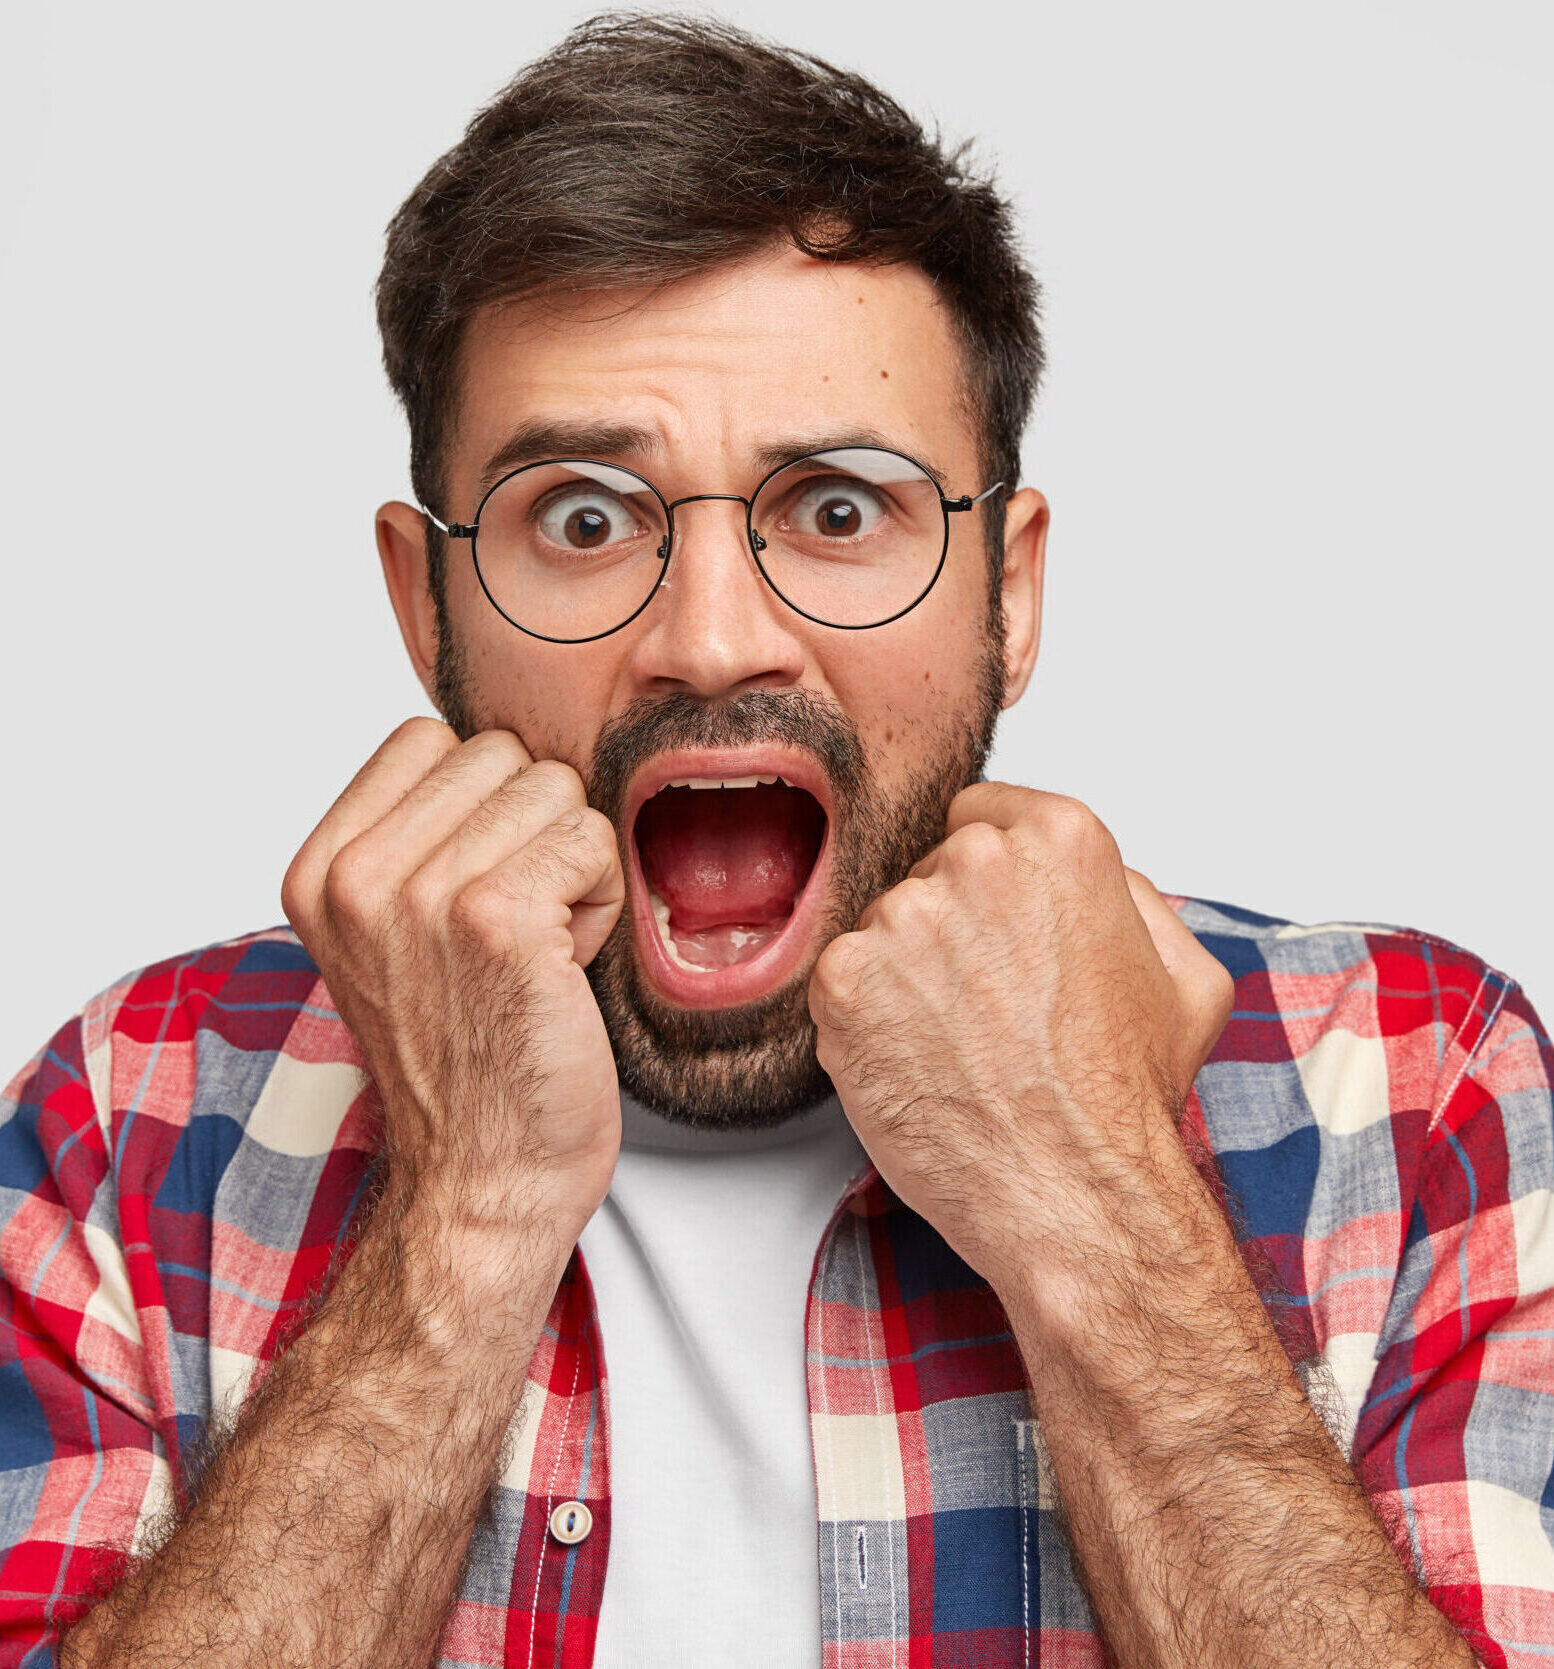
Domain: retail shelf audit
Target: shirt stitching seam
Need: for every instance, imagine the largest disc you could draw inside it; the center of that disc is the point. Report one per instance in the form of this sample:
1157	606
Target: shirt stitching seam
1438	1111
550	1490
1024	1429
825	1408
879	1415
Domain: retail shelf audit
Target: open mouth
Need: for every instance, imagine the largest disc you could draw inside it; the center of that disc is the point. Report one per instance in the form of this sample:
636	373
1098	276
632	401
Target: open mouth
728	869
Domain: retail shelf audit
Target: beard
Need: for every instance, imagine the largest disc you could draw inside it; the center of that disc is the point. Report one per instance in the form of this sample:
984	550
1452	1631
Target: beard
754	1066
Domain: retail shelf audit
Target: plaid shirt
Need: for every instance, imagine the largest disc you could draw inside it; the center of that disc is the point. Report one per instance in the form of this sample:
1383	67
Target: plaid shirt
179	1168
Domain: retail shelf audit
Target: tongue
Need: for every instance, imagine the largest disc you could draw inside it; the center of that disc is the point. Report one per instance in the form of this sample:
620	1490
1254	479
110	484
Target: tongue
729	863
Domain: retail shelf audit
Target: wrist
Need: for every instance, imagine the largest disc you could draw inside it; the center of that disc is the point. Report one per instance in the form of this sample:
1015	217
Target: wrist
465	1289
1159	1339
1122	1260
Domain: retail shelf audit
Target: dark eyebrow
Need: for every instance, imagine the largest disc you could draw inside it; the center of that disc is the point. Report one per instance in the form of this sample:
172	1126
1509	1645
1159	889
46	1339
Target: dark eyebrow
780	452
561	439
546	439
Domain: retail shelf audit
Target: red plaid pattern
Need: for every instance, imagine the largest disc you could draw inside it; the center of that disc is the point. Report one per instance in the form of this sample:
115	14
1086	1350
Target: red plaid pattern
180	1168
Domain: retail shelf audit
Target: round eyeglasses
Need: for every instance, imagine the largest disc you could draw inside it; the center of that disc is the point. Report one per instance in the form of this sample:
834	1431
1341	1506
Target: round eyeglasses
573	549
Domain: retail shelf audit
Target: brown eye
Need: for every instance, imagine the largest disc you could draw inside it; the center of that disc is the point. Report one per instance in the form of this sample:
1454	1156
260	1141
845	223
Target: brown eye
838	517
586	528
587	519
831	511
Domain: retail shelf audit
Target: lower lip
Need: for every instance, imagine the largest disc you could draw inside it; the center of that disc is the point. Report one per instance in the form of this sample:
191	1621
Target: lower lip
741	982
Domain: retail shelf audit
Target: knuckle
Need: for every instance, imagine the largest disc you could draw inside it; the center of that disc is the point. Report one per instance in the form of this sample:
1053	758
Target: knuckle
481	911
837	970
424	739
1220	988
485	760
424	726
546	784
299	889
554	776
1064	813
976	845
1071	824
906	903
597	829
498	747
567	827
351	883
419	896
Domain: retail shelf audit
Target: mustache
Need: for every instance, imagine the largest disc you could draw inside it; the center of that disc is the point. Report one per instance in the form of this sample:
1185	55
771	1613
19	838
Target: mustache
656	724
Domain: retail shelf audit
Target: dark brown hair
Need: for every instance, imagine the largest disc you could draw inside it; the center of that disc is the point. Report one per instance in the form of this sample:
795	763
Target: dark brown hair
643	148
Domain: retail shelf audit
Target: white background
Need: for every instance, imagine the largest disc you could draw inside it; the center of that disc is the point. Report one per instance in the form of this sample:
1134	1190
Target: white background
1297	437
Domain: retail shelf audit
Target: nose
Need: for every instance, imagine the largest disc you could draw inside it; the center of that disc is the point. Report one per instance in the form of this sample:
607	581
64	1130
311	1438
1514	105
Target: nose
715	626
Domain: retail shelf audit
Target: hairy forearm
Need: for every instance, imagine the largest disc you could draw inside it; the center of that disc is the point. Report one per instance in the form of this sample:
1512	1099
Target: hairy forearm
332	1527
1214	1522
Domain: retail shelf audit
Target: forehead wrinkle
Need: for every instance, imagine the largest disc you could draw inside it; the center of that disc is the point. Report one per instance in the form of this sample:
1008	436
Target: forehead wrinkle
676	382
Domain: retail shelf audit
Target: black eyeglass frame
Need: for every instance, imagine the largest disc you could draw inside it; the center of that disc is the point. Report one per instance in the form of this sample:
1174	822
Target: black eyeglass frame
471	530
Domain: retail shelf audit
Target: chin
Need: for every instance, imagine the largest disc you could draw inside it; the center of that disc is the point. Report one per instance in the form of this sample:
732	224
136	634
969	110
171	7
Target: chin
751	1065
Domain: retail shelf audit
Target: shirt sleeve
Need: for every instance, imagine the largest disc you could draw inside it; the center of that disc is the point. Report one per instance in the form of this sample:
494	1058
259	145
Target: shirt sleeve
82	1467
1455	1441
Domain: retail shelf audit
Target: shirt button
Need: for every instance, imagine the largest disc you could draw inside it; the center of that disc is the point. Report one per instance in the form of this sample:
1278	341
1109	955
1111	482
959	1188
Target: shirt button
570	1522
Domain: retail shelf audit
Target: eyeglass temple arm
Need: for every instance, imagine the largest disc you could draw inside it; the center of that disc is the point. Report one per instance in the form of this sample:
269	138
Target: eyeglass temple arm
963	503
458	530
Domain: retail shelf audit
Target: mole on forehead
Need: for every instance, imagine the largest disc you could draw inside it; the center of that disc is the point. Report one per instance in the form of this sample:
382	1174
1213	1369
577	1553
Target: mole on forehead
905	388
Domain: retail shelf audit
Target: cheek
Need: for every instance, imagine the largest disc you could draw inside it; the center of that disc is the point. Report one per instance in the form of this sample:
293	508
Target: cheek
904	689
551	697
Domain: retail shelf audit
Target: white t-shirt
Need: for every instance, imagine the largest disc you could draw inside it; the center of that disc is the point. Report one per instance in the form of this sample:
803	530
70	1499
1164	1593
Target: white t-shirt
700	1259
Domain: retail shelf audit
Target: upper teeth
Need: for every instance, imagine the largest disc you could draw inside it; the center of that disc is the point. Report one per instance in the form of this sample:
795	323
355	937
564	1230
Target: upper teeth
720	782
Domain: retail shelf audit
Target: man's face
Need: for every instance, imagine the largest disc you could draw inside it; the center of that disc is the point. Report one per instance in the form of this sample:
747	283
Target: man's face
858	739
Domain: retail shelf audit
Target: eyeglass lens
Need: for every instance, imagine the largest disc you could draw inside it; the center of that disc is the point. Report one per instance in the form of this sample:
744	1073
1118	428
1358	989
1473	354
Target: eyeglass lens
573	549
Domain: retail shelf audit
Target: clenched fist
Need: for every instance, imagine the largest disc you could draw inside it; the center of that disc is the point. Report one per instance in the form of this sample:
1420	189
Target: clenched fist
451	898
1012	1031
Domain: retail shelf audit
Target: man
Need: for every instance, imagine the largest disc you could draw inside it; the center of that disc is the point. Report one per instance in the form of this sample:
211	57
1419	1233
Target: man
687	1002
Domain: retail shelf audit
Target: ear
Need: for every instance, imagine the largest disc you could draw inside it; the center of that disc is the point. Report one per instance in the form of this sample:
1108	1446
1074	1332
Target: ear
1025	565
401	533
